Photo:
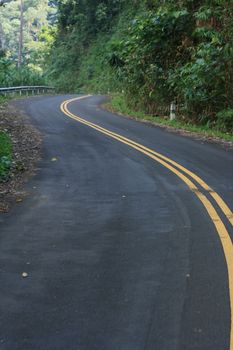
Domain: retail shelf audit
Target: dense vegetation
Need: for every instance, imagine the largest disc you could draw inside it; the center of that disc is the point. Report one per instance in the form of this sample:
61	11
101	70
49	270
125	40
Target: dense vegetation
22	57
154	51
149	52
26	35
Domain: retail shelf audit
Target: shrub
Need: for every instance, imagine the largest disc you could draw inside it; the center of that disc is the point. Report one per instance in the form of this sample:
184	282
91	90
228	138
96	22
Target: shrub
225	120
10	75
5	155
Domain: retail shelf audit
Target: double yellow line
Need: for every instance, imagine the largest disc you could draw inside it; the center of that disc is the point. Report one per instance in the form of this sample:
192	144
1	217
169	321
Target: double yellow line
185	175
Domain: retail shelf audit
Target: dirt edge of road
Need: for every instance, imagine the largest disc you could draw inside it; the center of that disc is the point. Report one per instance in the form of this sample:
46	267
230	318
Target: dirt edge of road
26	142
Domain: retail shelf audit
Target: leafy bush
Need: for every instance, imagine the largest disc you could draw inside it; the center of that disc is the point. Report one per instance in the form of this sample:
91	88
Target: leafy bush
203	85
144	56
5	155
225	120
10	75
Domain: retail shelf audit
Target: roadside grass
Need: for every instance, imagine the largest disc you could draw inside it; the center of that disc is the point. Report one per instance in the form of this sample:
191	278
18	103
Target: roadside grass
5	155
3	99
118	104
6	149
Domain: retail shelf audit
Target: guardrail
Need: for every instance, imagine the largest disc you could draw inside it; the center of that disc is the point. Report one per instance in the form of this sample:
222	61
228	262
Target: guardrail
27	90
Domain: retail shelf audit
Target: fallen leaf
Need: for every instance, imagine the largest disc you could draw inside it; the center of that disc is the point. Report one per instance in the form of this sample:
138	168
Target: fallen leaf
19	200
24	274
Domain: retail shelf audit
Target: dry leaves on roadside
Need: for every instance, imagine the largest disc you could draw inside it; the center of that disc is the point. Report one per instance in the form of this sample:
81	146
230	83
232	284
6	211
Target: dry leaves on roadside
26	150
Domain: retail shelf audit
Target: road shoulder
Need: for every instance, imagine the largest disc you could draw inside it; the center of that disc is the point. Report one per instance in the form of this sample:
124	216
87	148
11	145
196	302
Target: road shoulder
26	142
173	127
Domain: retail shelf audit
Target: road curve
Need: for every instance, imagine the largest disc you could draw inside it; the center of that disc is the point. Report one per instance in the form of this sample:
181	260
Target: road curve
121	252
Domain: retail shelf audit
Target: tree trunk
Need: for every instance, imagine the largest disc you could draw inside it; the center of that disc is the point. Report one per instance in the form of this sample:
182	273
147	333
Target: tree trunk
20	58
2	38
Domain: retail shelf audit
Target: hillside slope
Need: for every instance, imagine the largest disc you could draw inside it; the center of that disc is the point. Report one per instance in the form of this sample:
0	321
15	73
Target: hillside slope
155	52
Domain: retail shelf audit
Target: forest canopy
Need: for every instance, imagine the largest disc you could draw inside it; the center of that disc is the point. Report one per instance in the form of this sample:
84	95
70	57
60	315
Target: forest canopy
26	35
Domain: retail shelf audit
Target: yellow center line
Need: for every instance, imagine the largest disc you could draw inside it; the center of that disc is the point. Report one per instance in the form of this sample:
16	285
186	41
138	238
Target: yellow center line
168	163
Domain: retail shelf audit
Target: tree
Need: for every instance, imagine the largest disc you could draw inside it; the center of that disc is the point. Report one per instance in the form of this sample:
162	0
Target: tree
20	58
28	20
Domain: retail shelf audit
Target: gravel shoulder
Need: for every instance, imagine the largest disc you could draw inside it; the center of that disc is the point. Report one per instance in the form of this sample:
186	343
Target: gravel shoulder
26	152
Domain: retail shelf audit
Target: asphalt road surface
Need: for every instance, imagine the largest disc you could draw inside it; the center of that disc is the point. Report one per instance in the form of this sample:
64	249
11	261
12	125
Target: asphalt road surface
124	250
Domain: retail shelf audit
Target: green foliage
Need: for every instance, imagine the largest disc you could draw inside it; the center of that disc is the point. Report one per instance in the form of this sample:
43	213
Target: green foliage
91	74
225	120
37	15
119	104
155	51
5	155
95	16
3	99
80	24
204	84
10	75
201	83
145	54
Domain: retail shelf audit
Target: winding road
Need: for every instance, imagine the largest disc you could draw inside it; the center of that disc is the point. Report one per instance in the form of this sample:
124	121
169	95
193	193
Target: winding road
125	236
